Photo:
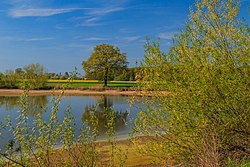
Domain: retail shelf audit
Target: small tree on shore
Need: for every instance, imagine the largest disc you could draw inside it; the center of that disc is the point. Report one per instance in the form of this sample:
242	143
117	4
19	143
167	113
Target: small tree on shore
35	75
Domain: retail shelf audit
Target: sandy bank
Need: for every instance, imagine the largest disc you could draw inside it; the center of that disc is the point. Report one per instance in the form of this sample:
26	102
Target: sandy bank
18	92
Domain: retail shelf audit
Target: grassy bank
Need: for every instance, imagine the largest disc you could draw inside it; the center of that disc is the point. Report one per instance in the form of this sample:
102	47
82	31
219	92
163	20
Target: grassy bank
73	84
90	83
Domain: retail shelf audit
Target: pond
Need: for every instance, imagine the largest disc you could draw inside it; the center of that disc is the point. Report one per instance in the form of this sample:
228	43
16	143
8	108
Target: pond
79	106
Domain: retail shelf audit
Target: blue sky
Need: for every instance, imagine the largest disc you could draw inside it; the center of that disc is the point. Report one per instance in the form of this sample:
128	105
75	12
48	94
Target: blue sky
60	34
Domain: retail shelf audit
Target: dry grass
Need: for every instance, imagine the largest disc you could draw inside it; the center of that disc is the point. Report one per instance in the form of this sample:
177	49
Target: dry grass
76	81
134	159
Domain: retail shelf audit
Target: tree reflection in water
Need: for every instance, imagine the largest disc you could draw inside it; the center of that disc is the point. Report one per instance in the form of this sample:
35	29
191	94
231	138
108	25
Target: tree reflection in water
100	110
8	103
35	104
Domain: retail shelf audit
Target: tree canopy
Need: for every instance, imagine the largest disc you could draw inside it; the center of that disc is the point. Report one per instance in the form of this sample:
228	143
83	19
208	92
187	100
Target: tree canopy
36	75
105	63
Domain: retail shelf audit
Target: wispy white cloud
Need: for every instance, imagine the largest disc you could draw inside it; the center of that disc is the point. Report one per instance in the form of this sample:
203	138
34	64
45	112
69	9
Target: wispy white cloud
91	17
95	39
13	38
29	8
78	45
92	21
16	13
39	39
167	35
95	15
21	2
131	38
104	11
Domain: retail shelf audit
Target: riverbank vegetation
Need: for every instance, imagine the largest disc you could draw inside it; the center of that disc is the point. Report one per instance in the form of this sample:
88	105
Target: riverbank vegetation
20	79
92	84
205	121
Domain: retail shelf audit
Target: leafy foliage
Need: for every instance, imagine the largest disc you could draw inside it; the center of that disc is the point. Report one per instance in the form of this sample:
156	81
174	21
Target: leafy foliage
205	117
9	80
35	73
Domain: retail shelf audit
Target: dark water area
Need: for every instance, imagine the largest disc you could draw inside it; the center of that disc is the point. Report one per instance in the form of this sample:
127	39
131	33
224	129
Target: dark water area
79	107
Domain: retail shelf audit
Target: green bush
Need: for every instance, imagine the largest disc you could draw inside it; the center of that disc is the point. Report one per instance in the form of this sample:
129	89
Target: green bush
205	117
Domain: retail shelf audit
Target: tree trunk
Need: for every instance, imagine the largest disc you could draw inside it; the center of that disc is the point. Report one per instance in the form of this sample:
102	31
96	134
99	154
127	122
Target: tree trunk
106	77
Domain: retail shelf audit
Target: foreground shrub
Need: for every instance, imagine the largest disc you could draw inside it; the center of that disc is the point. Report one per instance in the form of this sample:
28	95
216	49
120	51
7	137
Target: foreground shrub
205	119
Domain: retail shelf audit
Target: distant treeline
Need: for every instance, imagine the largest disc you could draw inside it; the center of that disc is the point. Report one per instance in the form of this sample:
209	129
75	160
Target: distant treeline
34	76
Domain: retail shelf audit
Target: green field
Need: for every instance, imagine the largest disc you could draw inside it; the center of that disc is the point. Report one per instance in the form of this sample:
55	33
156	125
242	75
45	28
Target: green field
91	83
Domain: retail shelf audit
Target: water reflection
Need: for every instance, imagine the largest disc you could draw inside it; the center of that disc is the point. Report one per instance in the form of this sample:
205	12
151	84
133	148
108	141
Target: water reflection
100	109
35	105
102	105
81	108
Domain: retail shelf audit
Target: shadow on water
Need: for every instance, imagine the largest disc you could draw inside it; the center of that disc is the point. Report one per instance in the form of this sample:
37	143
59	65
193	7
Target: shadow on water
100	109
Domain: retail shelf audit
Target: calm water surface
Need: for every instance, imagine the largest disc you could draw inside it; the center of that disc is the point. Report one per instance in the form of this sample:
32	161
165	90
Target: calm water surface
79	105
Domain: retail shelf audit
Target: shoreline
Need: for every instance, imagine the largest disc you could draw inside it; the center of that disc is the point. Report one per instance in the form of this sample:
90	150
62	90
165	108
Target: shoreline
73	92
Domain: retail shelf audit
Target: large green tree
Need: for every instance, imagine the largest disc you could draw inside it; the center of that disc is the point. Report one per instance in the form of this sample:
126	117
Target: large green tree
201	109
104	63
